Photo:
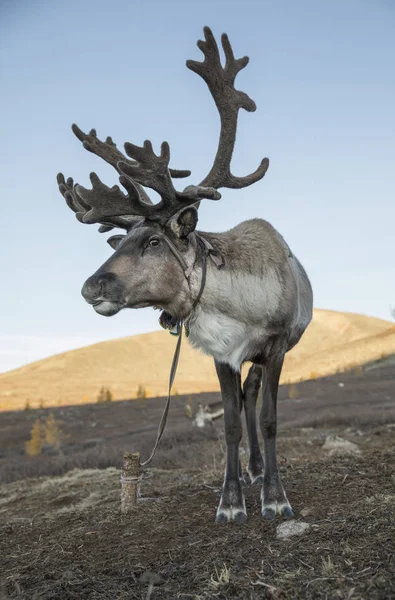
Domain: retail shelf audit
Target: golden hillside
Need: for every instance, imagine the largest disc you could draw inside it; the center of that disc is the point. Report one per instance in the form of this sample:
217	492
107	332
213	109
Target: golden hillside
334	341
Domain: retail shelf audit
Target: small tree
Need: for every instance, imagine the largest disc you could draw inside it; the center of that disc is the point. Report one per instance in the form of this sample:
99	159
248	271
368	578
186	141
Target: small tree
108	397
292	391
34	446
188	407
105	395
101	397
52	433
141	392
313	375
27	404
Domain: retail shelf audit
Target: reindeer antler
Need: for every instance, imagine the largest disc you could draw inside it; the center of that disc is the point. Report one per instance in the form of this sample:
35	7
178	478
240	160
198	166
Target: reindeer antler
80	202
220	81
151	170
111	207
101	204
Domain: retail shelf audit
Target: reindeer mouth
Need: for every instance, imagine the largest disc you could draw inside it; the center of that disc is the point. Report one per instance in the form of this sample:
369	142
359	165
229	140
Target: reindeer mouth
107	308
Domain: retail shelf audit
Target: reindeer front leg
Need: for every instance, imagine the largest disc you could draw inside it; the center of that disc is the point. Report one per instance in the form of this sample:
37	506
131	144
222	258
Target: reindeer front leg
232	504
274	499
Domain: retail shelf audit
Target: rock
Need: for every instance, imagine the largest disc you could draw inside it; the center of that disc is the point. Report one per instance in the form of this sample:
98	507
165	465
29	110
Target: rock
290	528
305	512
336	445
354	431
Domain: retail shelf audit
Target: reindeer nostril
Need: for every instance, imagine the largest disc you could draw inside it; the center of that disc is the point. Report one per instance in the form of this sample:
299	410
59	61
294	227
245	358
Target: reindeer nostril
96	287
92	289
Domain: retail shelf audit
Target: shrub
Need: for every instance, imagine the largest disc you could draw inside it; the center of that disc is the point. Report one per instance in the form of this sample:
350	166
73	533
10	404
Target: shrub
104	395
313	375
52	434
27	405
108	397
188	408
141	392
34	446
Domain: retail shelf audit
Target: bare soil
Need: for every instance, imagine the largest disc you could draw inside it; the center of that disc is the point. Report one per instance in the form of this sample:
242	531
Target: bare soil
63	537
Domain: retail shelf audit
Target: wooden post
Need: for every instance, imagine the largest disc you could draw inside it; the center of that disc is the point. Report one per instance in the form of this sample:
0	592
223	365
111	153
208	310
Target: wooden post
130	481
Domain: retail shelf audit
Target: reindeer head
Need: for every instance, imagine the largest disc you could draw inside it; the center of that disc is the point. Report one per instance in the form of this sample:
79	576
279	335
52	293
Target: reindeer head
150	262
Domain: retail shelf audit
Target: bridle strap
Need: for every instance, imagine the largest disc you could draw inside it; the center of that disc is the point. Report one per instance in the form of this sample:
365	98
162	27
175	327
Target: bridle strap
177	254
163	420
176	356
204	273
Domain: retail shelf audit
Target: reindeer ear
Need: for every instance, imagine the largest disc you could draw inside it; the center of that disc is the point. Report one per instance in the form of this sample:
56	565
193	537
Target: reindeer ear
115	240
185	222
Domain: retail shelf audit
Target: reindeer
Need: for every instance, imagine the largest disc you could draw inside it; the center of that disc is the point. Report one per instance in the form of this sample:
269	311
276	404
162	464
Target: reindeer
242	295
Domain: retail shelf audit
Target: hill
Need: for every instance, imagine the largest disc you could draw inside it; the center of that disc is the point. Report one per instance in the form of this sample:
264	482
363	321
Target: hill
334	342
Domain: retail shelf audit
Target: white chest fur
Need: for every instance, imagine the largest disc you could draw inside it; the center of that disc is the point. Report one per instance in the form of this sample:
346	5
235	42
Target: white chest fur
220	336
234	313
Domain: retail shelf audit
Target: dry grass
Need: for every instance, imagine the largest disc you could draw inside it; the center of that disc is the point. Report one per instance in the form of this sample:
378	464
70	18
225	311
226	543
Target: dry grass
220	578
333	342
64	537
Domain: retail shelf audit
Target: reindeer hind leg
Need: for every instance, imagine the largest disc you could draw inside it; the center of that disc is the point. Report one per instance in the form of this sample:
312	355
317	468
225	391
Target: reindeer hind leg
251	389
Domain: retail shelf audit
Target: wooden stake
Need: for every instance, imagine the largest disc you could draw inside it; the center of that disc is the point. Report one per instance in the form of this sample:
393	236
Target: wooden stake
130	481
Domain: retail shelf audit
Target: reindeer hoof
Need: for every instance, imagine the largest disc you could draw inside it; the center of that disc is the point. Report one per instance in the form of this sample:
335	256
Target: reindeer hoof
240	517
281	509
287	512
268	514
232	504
226	515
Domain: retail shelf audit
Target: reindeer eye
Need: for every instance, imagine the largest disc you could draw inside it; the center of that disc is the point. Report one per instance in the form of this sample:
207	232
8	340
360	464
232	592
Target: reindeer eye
154	241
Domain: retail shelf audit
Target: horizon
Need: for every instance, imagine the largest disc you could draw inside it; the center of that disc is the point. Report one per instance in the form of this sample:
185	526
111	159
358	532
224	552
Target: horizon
323	80
157	330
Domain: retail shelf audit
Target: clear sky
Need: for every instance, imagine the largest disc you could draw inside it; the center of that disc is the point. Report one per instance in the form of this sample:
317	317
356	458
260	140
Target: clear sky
322	74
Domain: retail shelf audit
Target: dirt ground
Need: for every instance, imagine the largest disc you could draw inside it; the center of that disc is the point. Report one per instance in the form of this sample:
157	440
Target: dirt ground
64	537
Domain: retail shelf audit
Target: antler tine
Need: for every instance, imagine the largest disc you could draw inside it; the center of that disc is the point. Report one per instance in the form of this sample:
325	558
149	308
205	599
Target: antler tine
68	191
107	150
220	81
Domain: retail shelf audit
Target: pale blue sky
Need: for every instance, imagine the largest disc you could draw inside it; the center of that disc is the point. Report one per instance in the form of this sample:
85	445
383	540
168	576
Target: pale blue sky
322	74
